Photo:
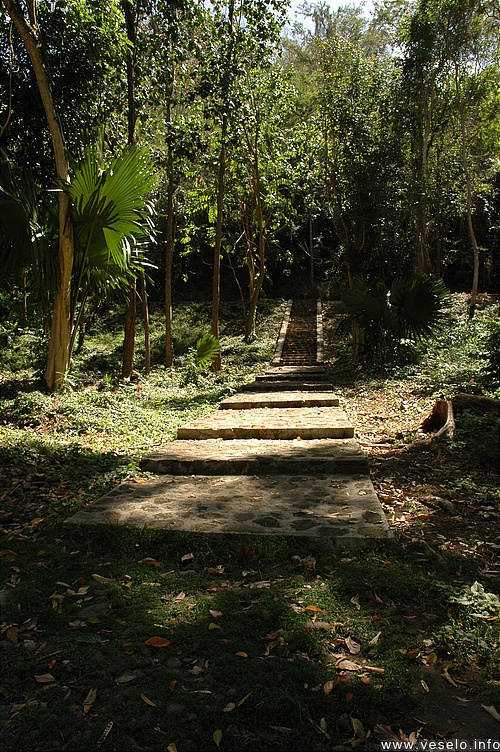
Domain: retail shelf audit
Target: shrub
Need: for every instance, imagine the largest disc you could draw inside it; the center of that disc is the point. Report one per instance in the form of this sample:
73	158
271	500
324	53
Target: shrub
394	320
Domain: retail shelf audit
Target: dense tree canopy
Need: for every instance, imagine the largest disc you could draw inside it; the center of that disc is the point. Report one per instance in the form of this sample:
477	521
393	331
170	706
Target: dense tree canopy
285	156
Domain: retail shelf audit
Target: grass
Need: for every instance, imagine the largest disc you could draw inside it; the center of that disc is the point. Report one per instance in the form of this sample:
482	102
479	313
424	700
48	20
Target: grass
254	631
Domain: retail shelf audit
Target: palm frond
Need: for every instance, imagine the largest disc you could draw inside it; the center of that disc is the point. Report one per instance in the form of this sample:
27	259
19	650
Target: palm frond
418	306
207	348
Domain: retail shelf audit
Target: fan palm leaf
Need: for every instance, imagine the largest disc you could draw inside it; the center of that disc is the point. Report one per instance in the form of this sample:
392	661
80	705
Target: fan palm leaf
207	348
111	216
418	306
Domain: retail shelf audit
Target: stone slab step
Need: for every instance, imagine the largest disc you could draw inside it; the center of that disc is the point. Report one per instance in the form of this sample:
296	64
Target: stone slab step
339	511
273	385
270	423
293	372
279	399
257	457
290	377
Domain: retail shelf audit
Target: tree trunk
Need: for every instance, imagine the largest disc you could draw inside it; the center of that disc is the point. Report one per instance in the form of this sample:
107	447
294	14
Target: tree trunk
470	225
252	309
169	348
129	341
131	24
57	360
217	361
145	315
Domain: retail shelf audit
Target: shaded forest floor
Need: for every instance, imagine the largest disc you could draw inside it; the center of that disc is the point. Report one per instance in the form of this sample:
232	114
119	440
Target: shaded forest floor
120	639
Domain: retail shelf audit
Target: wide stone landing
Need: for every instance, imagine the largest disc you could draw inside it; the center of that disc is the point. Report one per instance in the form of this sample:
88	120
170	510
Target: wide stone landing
271	423
258	457
342	510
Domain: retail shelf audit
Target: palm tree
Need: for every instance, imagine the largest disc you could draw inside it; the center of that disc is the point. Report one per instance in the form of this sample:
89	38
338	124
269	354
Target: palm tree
413	309
111	217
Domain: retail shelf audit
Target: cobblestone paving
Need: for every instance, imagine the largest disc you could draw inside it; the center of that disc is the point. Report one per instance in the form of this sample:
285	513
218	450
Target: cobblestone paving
280	460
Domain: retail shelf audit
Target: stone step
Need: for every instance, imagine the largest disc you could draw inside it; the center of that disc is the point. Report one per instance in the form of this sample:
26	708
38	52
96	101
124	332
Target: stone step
339	511
292	370
273	385
279	399
292	376
257	457
270	423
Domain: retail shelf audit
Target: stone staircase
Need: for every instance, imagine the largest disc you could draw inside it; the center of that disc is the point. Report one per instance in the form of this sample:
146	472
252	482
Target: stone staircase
279	458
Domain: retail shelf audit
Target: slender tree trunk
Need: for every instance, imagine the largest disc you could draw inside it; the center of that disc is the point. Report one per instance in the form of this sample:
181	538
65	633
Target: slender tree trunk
129	341
252	309
217	361
169	347
57	360
470	225
131	24
423	140
145	315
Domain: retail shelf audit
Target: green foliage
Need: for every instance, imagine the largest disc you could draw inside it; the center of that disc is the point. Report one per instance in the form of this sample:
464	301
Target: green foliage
207	348
110	214
483	605
412	310
492	354
28	222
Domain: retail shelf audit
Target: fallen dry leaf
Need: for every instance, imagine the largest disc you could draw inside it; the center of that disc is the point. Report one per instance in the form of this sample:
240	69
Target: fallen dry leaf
8	554
358	728
492	711
375	670
12	635
315	609
424	685
244	699
352	646
44	678
328	686
217	737
149	560
241	654
125	678
412	654
172	685
101	579
375	639
231	706
213	625
215	614
349	696
158	642
346	665
216	570
448	678
89	700
172	747
355	601
148	701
